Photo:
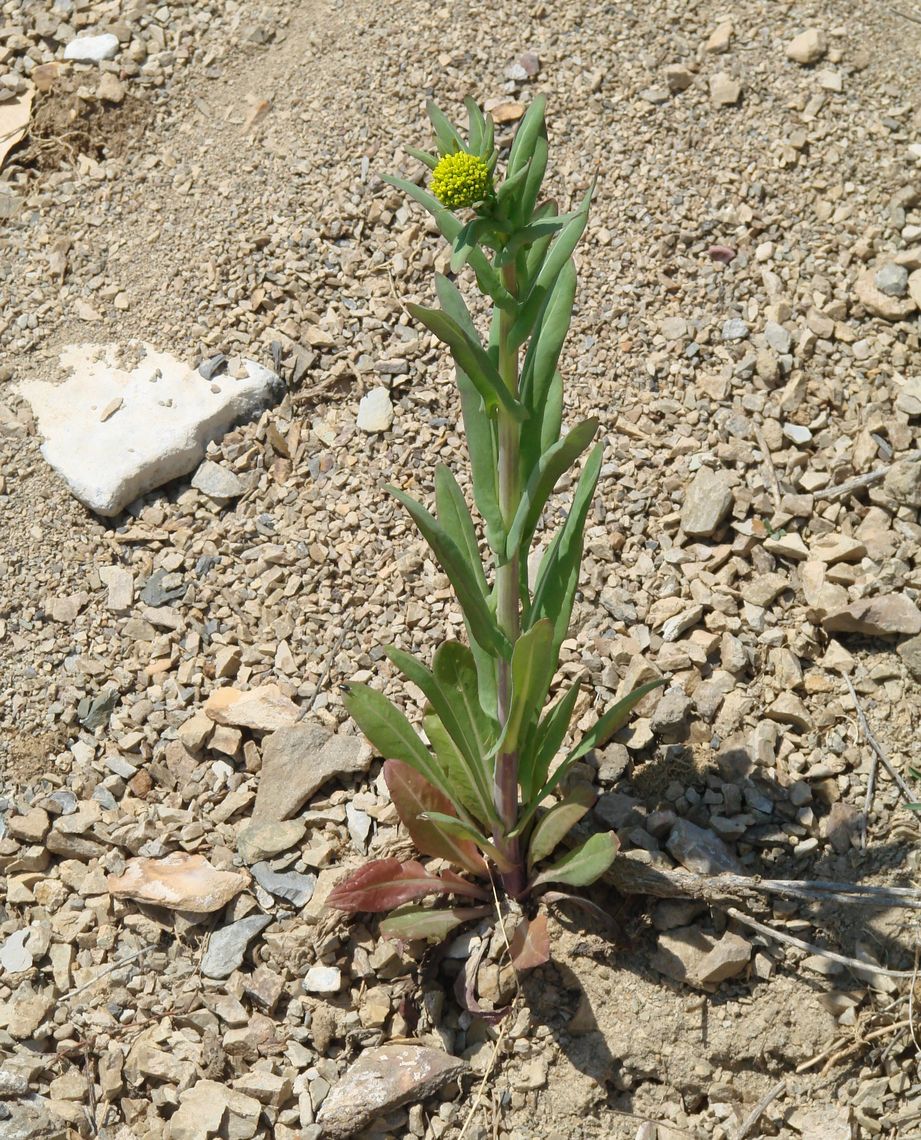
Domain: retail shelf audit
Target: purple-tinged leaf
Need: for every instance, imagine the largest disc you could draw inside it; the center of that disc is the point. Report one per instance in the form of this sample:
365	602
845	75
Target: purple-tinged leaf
530	944
410	922
413	795
465	988
585	864
388	883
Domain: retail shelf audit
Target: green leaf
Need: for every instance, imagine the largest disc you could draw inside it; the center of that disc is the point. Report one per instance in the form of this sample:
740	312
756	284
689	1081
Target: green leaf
450	226
505	195
545	476
389	732
533	666
537	230
454	515
407	923
454	826
476	126
613	720
558	822
423	156
557	257
470	356
465	243
536	758
412	796
526	136
558	576
536	252
535	179
479	426
481	622
458	728
449	140
583	865
455	768
455	668
541	385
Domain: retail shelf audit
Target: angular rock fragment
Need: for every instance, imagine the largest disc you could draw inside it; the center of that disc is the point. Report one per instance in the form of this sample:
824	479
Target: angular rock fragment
697	849
178	882
707	503
381	1080
264	709
226	946
808	47
167	417
887	615
297	761
727	959
881	304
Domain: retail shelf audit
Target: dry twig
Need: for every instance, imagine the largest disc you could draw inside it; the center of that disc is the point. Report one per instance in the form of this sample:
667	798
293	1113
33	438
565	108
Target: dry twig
755	1115
877	747
810	948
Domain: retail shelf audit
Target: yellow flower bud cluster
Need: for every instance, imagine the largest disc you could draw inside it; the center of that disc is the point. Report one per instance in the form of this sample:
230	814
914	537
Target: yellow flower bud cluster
460	180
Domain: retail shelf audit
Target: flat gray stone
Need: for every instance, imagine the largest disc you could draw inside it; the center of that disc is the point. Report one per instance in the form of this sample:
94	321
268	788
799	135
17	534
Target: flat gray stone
14	957
217	482
297	761
892	280
697	849
166	415
227	946
291	886
381	1080
261	839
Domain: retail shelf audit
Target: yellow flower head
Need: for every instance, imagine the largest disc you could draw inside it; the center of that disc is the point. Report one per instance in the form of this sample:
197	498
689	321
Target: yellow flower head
461	180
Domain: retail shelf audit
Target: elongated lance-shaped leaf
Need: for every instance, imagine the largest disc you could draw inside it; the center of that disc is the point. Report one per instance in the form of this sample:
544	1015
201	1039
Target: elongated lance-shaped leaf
558	576
506	194
612	720
537	251
458	727
476	126
387	883
585	864
465	243
550	333
483	626
455	668
537	231
535	179
412	796
454	826
423	156
479	426
454	515
541	389
449	139
470	355
557	256
390	732
537	755
551	828
408	923
527	134
450	226
455	768
533	666
554	463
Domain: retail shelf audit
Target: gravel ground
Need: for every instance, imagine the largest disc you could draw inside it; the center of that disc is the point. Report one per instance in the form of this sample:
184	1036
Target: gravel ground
747	330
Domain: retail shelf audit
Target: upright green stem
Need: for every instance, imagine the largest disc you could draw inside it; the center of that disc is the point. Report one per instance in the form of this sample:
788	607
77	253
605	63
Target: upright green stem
508	602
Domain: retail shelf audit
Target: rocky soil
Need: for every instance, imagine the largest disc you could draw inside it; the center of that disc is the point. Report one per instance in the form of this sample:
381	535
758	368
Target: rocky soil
180	787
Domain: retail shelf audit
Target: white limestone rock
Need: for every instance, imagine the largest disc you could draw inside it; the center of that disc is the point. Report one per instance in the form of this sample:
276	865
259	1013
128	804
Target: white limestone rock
113	433
92	49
